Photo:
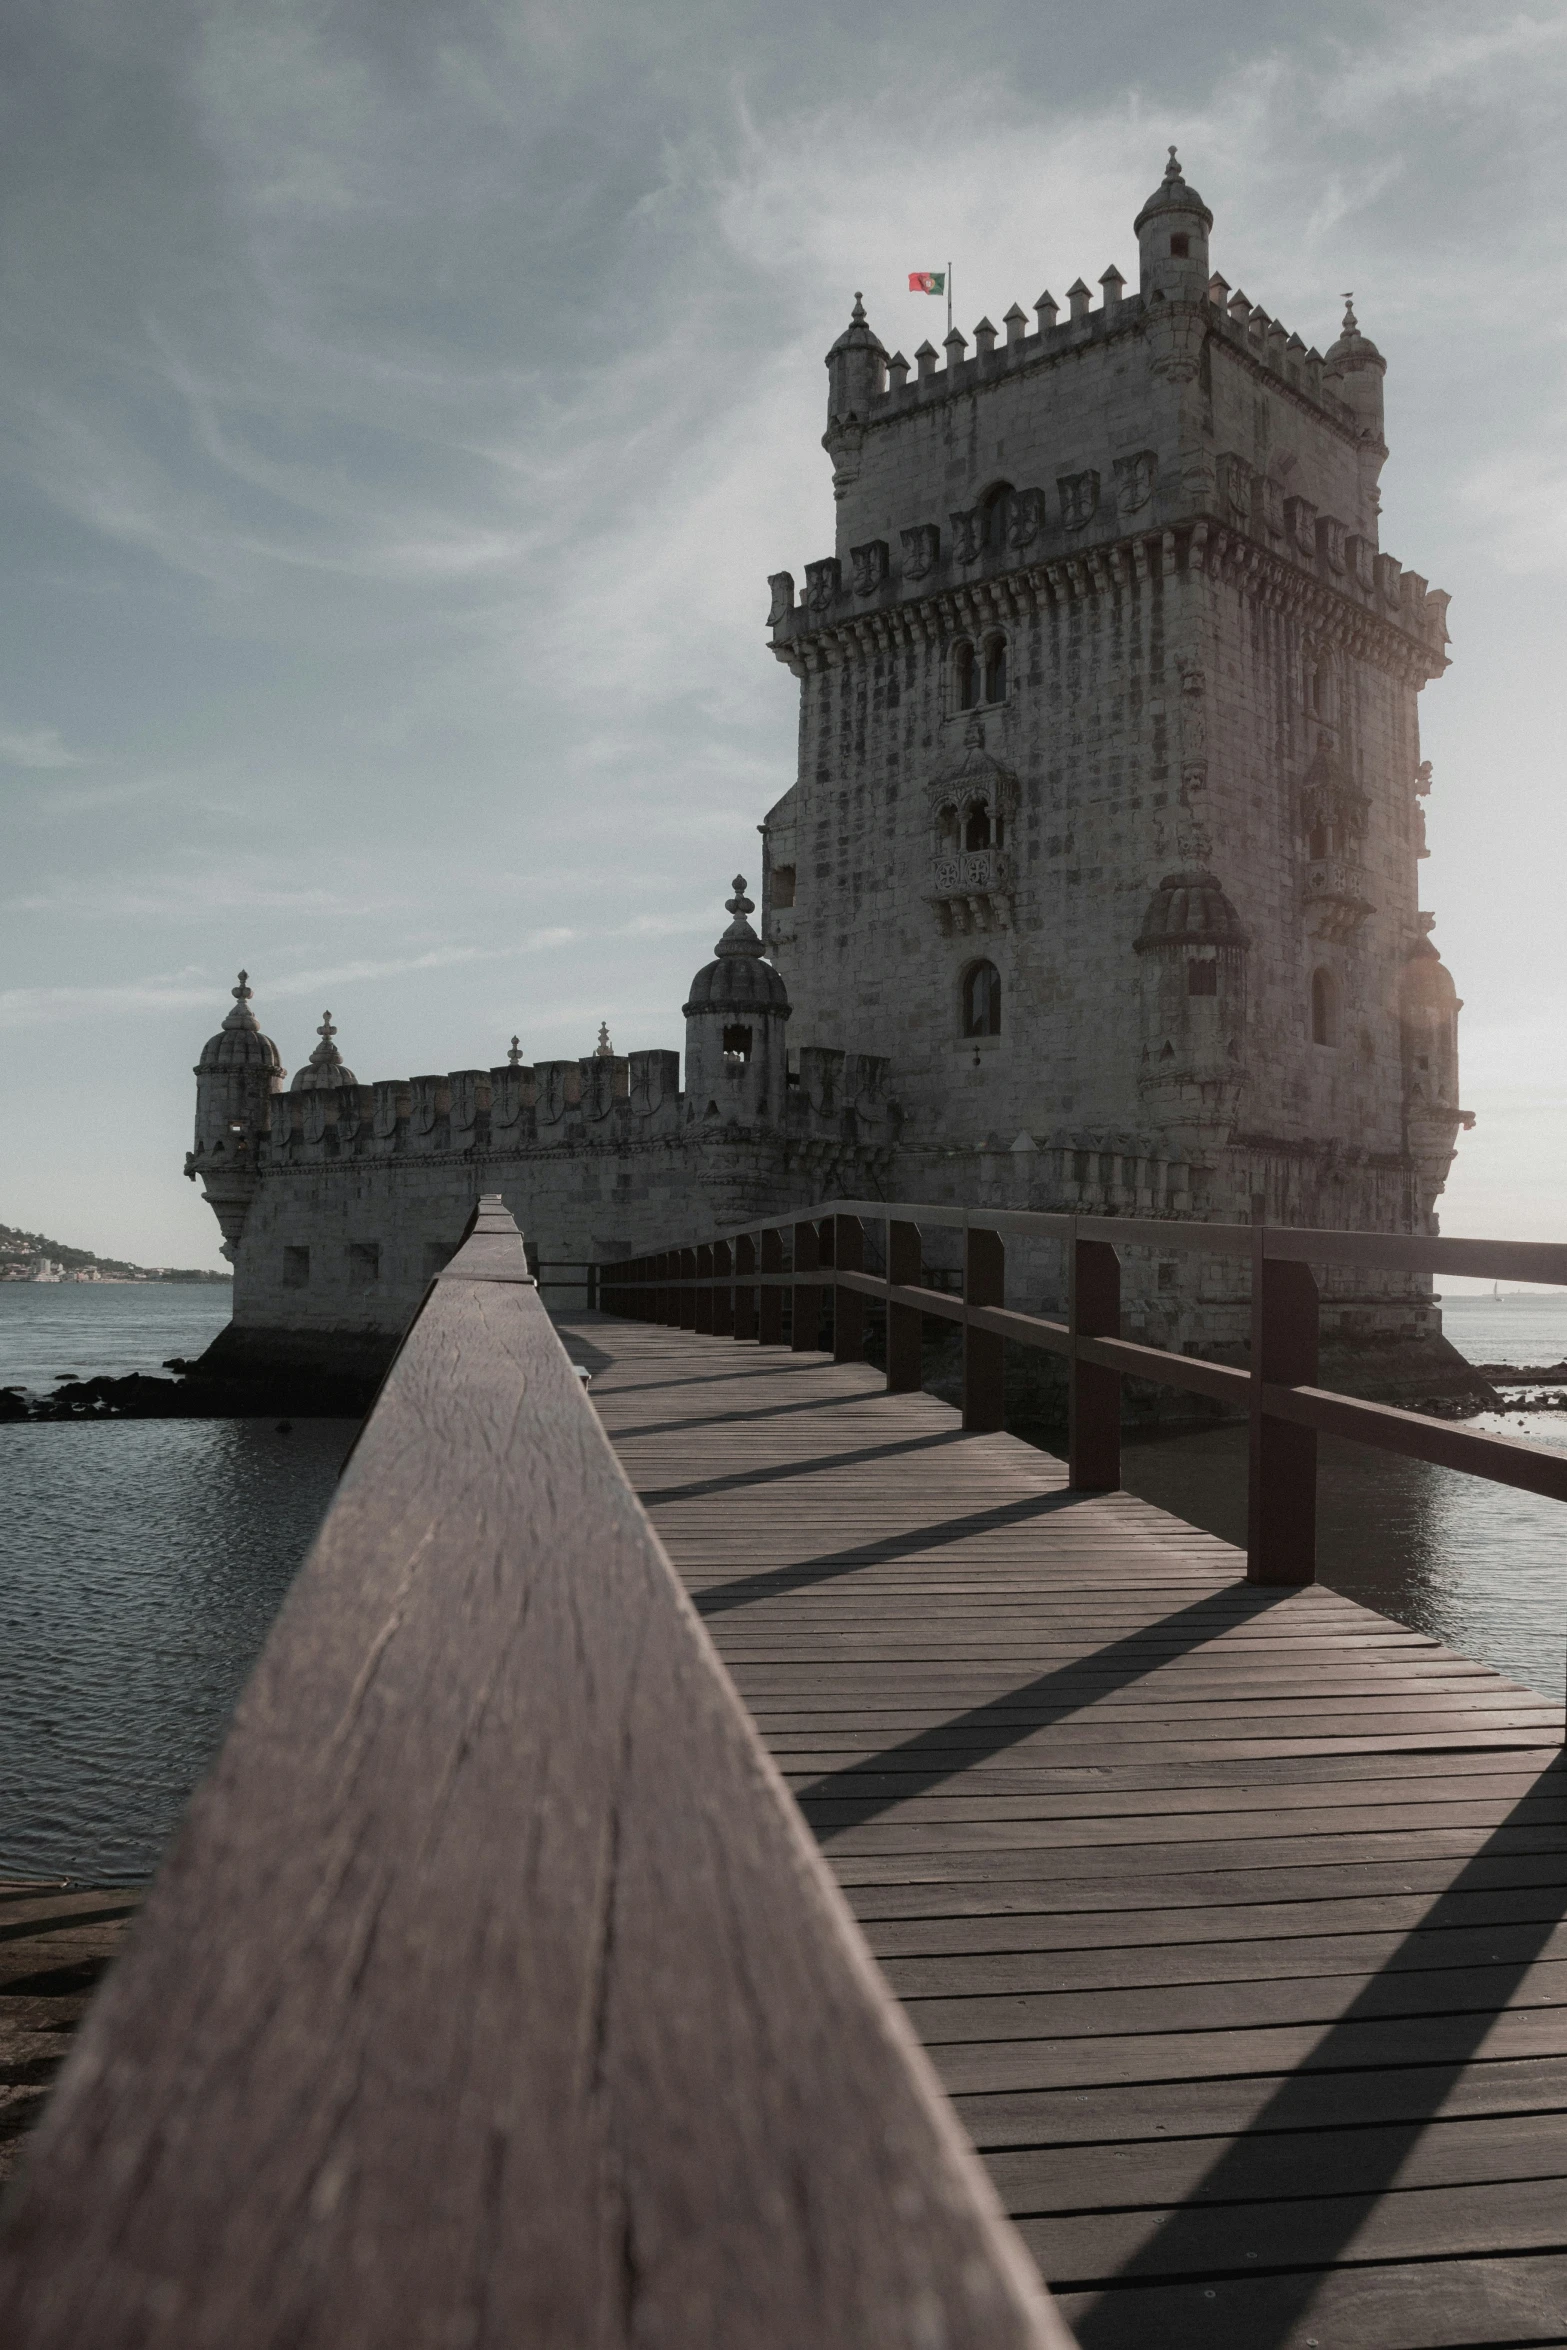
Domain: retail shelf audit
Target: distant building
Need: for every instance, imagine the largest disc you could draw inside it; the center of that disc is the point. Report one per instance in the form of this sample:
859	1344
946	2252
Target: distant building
1097	885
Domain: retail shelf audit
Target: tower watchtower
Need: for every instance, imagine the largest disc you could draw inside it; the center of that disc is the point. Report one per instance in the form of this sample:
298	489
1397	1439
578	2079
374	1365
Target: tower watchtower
1126	568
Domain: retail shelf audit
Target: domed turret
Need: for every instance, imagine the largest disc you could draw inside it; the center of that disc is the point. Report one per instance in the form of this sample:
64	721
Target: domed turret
1428	1009
236	1076
1192	1066
1172	240
1354	369
324	1069
735	1015
856	371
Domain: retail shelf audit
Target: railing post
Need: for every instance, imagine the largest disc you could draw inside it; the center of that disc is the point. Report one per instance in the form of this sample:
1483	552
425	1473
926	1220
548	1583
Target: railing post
770	1303
904	1326
984	1284
807	1295
848	1306
685	1266
703	1299
1095	1312
1281	1482
745	1297
668	1300
723	1297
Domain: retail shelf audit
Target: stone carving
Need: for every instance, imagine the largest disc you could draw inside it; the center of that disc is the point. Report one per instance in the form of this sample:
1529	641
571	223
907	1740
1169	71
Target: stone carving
1134	480
1362	563
1330	541
921	550
1079	498
966	536
823	583
1026	519
1235	485
870	566
1388	571
782	585
1300	522
1268	499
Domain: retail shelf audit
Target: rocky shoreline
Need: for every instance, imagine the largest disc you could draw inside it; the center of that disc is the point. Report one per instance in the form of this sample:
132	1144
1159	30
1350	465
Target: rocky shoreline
196	1394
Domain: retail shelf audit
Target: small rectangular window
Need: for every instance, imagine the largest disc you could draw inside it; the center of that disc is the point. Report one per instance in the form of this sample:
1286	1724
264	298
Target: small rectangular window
781	892
737	1042
296	1268
1202	978
364	1263
1180	247
1166	1276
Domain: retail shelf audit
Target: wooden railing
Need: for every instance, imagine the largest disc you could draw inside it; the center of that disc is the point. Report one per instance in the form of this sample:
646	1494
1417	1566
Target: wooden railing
494	1990
735	1283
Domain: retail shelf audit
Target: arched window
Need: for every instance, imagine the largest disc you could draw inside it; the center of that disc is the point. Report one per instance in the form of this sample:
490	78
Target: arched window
965	676
995	669
976	831
1324	1008
982	1000
737	1042
994	514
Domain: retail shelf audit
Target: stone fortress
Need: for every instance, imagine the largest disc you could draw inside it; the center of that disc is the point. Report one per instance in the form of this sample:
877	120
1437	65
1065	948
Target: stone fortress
1097	886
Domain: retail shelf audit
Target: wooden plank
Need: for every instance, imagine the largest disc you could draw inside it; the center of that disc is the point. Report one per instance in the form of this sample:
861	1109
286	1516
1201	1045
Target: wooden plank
491	1883
1235	1921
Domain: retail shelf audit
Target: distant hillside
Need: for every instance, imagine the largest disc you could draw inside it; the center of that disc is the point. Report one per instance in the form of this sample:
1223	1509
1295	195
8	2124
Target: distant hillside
23	1254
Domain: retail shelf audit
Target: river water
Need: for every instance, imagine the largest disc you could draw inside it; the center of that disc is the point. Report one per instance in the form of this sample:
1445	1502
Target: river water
142	1561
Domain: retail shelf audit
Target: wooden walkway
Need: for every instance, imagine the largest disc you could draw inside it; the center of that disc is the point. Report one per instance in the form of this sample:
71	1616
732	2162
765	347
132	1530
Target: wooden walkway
1232	1919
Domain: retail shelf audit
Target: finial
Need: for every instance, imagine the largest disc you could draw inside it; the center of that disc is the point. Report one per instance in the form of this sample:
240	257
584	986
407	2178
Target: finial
857	315
326	1031
1172	170
242	993
514	1054
604	1051
739	903
1351	322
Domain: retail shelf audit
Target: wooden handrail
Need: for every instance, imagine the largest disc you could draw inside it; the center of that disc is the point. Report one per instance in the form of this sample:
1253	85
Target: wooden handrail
1286	1406
494	1989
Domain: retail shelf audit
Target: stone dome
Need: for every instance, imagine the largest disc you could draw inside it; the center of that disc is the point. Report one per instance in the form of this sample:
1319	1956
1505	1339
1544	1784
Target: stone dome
324	1069
1426	982
858	335
1190	909
739	980
239	1043
1353	349
1172	195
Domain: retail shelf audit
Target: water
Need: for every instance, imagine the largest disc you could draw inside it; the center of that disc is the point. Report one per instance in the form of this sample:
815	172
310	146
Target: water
141	1565
142	1562
79	1329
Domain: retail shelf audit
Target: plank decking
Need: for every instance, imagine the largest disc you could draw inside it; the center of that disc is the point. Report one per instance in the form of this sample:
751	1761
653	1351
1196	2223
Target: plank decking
1233	1920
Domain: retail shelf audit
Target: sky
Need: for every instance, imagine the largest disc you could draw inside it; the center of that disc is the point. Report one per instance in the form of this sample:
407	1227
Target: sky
403	402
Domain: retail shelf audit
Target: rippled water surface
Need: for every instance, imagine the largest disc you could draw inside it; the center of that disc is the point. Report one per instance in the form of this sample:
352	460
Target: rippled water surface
141	1565
142	1562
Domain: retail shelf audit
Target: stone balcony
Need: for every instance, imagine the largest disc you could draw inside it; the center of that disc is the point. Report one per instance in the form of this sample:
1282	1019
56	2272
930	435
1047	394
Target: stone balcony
1335	895
971	889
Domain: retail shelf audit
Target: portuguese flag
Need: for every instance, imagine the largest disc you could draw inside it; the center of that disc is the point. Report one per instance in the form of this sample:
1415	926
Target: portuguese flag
927	281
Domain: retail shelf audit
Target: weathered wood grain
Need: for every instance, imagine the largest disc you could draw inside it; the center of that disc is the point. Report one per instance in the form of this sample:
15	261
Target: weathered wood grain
494	1992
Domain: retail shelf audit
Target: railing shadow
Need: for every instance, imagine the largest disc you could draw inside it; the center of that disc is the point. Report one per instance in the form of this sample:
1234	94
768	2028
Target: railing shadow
1322	2227
989	1729
770	1582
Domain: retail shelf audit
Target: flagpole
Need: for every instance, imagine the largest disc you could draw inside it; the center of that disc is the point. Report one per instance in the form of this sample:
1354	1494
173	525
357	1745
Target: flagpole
949	297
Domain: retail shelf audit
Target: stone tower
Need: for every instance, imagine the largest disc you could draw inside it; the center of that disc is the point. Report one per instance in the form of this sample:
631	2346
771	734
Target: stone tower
1105	825
236	1077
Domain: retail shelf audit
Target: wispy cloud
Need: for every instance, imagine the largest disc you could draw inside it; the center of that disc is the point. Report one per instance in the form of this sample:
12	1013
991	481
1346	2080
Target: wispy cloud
38	747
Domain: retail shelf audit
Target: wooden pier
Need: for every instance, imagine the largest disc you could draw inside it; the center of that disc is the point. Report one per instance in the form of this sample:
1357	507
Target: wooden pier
495	1990
1231	1917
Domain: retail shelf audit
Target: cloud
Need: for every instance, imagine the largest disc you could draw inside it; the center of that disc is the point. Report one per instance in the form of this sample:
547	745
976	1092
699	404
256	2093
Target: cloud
37	747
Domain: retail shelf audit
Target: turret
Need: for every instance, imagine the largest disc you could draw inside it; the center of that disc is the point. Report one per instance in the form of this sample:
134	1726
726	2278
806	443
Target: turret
736	1059
1193	1058
1172	240
1428	1009
238	1073
324	1070
1354	369
856	374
